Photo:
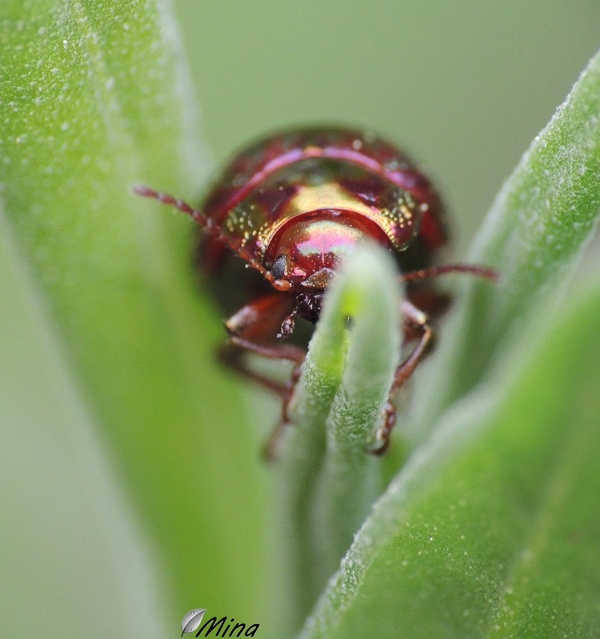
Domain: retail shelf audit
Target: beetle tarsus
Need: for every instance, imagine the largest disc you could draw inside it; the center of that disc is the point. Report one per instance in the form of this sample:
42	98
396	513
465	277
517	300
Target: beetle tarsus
415	323
385	430
287	326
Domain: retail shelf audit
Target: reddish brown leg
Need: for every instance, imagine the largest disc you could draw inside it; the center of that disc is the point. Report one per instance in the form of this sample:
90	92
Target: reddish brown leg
234	357
415	323
431	302
272	445
285	391
251	330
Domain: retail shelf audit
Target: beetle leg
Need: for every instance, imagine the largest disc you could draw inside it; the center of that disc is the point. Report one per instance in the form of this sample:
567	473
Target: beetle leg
432	302
285	391
415	323
251	330
233	354
272	445
233	357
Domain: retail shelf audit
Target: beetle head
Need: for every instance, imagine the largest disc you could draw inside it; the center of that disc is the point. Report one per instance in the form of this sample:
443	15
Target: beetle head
308	251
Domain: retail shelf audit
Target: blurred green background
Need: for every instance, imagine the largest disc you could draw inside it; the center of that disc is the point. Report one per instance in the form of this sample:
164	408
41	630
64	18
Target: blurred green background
462	86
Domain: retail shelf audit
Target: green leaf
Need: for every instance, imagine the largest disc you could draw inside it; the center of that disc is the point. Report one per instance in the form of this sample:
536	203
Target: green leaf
71	545
492	529
542	217
95	99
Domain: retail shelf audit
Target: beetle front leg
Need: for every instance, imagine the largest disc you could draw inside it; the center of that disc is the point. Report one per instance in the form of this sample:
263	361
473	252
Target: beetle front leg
415	323
233	354
252	330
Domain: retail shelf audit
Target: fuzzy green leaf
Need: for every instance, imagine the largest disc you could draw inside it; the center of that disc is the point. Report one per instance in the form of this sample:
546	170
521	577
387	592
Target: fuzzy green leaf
95	99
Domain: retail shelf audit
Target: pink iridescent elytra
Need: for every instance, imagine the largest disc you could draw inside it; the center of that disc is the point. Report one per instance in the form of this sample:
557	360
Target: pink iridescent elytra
293	206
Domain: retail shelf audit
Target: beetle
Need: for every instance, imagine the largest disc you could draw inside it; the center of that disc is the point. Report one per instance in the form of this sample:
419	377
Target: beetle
293	206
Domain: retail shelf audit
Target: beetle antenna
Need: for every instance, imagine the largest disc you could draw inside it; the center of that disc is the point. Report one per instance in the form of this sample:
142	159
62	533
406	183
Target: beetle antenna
435	271
179	204
209	225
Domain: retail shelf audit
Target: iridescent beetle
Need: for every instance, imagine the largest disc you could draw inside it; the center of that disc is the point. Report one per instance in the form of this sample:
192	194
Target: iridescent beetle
293	206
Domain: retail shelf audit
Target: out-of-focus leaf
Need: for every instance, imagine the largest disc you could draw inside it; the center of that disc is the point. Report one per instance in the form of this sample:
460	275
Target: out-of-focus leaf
95	99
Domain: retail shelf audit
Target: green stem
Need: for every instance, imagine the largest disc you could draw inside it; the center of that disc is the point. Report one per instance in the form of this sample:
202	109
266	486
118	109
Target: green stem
329	479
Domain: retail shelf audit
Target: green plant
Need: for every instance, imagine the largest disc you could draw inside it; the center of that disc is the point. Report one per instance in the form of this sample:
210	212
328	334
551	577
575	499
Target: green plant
490	527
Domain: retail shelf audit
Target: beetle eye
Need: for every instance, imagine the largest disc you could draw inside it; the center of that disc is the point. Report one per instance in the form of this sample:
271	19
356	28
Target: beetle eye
279	268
